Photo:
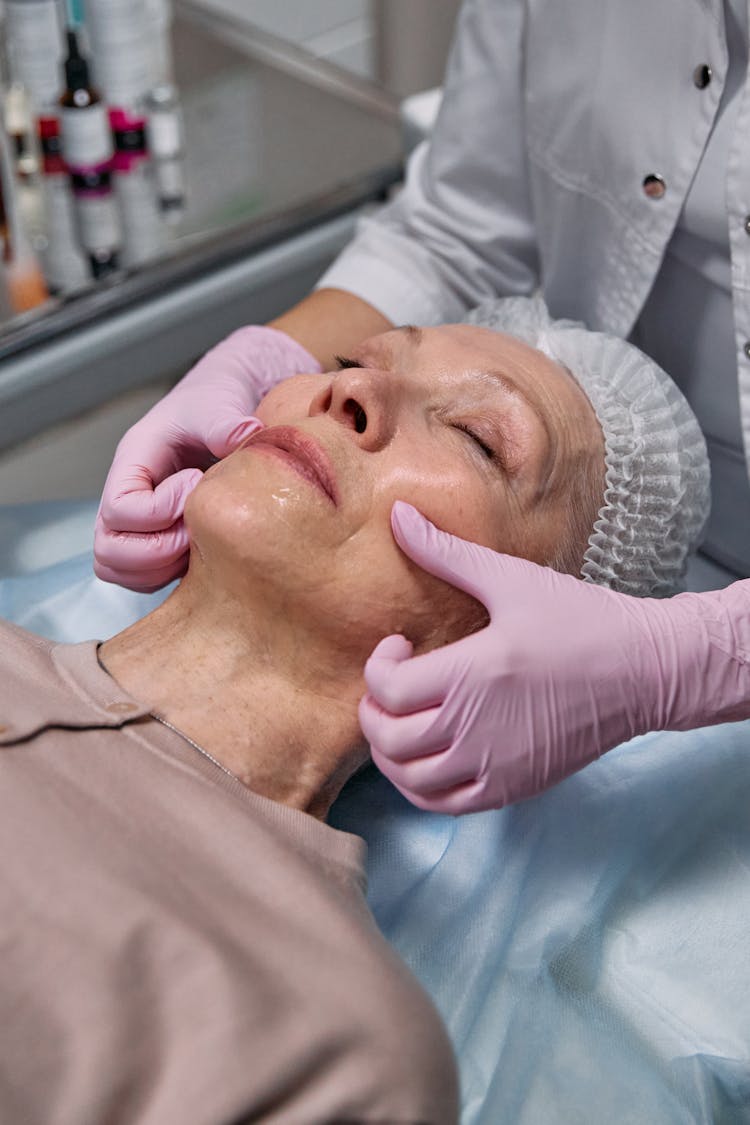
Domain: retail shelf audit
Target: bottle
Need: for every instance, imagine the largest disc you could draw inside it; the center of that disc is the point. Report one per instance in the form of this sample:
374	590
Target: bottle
97	222
121	38
35	52
162	64
143	229
86	135
88	152
64	265
164	126
19	127
25	288
35	49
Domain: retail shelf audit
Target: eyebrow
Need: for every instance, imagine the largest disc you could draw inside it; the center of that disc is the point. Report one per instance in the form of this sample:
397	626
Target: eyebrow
385	354
511	387
411	330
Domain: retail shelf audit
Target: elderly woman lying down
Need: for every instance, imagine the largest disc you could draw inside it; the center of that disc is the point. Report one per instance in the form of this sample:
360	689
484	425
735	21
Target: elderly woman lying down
184	938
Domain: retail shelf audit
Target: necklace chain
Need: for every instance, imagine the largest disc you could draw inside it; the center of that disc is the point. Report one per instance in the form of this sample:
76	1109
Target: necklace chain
166	723
195	745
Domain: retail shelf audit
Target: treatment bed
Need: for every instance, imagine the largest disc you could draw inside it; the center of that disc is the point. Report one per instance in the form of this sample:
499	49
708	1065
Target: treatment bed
589	949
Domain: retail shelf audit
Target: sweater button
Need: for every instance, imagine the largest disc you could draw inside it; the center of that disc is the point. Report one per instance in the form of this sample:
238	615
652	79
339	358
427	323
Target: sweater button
747	224
654	186
746	349
702	75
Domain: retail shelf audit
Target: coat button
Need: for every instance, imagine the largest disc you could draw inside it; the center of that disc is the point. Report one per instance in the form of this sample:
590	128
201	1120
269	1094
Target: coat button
654	186
746	349
702	75
121	708
747	224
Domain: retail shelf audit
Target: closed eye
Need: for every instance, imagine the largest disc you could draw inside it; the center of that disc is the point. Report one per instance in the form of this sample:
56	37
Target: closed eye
343	362
488	451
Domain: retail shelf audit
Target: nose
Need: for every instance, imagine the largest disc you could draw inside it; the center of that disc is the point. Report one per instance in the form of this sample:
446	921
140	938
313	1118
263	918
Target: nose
364	401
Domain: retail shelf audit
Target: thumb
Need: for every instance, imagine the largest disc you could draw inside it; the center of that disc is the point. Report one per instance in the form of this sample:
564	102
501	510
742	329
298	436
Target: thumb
228	434
388	653
140	508
475	569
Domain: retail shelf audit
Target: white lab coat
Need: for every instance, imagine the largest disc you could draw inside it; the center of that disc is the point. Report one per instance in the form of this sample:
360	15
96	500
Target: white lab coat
555	113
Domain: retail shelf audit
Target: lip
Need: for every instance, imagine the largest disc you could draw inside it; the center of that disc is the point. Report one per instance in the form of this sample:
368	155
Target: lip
303	453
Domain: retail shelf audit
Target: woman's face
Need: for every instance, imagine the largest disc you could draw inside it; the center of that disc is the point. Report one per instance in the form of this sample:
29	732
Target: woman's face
474	428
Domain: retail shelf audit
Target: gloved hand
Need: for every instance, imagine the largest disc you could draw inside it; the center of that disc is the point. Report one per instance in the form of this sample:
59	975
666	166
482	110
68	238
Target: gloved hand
564	671
140	540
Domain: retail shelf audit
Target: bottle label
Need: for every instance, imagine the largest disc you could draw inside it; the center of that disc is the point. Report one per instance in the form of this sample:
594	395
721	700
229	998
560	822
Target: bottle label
92	181
86	137
35	49
48	131
164	132
129	131
98	222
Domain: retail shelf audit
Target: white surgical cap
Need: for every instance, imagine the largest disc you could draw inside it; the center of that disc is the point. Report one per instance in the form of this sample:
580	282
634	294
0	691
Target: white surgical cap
657	490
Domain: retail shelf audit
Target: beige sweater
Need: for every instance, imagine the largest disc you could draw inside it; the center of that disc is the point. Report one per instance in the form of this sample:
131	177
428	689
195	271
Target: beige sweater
174	949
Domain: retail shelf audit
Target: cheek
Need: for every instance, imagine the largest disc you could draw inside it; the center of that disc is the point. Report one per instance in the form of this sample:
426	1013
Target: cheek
453	497
381	591
289	400
449	492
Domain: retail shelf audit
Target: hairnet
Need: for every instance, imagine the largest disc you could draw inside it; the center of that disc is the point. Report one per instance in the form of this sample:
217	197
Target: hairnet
657	490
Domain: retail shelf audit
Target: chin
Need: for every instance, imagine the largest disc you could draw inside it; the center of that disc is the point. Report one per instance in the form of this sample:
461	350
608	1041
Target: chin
240	531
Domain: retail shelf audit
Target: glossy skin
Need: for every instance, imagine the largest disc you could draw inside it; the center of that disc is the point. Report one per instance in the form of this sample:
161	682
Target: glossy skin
395	427
259	654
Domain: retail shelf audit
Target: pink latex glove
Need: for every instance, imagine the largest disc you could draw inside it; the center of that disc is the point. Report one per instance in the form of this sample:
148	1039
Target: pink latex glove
564	671
140	540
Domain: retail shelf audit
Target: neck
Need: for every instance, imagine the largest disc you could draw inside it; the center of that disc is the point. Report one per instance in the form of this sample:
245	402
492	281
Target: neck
274	708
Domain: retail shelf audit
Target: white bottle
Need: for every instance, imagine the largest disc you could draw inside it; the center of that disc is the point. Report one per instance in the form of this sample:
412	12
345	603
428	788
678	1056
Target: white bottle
120	35
64	265
35	49
84	121
164	123
97	220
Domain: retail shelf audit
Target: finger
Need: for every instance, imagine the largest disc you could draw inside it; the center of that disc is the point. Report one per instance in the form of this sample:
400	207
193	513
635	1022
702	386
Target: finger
134	505
143	582
463	799
228	434
457	801
140	551
392	649
402	684
140	554
425	776
147	454
401	737
475	569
